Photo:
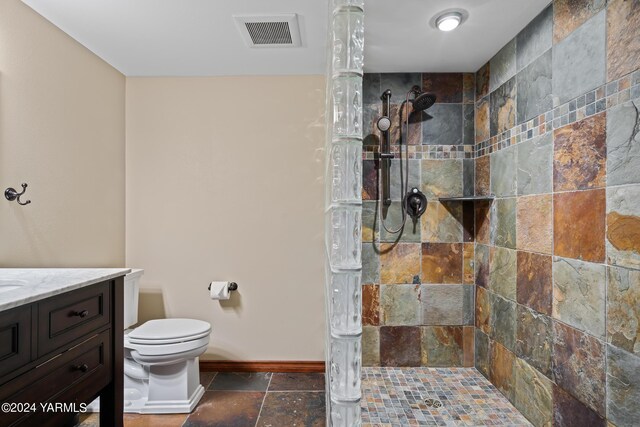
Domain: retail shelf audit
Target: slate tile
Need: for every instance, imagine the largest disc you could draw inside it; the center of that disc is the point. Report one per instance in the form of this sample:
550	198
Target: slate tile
445	128
503	223
482	81
482	121
623	309
442	222
483	310
446	305
370	346
623	387
534	223
573	213
371	305
483	265
580	155
400	305
448	87
241	381
533	395
370	263
535	39
579	294
442	263
579	61
623	144
399	84
483	176
568	15
442	346
293	408
623	38
502	370
297	381
535	165
503	321
534	88
442	178
623	226
241	409
503	65
502	108
579	365
482	356
534	339
504	169
400	346
399	263
569	411
503	272
534	286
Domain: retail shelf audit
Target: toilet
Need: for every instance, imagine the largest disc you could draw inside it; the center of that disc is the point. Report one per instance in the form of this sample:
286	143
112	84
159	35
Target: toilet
161	372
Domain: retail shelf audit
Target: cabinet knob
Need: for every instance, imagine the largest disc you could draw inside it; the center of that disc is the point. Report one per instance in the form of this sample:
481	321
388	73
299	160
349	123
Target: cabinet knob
82	313
82	368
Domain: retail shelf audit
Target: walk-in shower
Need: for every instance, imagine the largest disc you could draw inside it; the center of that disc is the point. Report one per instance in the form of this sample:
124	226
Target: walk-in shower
413	202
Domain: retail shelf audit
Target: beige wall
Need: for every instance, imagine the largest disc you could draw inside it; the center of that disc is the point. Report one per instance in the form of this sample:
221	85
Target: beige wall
224	181
62	132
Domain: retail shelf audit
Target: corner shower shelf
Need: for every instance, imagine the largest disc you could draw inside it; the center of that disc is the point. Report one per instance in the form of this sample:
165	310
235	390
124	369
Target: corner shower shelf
466	198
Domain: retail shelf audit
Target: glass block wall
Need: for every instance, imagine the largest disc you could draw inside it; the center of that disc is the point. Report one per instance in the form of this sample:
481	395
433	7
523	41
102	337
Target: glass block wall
343	207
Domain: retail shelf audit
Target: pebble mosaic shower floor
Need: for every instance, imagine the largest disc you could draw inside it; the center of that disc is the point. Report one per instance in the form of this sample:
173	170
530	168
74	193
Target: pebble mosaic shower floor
396	397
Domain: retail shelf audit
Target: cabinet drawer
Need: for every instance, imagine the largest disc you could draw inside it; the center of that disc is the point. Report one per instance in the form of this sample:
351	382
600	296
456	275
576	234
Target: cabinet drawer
15	339
69	316
85	367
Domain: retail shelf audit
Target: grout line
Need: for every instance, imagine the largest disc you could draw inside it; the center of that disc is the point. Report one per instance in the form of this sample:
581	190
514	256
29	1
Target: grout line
263	399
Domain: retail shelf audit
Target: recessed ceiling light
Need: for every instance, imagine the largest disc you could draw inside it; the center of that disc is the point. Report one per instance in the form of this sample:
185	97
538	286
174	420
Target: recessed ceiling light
448	21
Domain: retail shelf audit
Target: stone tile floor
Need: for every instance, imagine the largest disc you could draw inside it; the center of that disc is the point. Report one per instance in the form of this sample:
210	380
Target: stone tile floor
391	397
396	397
242	399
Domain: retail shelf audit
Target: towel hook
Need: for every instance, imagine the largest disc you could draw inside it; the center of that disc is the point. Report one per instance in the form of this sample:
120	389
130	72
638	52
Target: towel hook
11	194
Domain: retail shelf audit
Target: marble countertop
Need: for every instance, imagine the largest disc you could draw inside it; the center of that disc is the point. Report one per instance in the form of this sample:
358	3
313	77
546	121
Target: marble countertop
19	286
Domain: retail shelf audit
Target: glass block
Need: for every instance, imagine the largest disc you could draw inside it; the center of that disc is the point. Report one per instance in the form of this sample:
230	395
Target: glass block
340	3
345	172
345	358
348	41
345	414
345	304
343	234
347	107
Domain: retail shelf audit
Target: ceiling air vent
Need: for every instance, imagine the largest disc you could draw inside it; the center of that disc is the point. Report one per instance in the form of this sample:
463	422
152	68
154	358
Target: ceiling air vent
269	31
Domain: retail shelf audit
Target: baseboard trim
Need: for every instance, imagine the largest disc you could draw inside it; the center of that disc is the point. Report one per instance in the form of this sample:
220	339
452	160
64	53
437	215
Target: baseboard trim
261	366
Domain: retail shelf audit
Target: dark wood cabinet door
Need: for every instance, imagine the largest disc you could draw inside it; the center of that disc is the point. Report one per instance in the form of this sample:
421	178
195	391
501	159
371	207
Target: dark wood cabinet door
15	339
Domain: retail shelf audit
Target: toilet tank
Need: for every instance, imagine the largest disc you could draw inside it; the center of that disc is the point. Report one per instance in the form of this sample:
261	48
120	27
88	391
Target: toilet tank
131	291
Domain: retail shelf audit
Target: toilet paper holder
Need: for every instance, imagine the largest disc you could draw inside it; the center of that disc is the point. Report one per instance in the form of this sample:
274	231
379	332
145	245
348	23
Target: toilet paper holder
232	286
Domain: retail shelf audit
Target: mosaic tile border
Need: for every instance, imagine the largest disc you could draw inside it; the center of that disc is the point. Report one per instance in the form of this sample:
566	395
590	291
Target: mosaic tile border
593	102
419	152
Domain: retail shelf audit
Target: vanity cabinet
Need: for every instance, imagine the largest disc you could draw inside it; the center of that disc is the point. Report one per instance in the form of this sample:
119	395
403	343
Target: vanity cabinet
64	349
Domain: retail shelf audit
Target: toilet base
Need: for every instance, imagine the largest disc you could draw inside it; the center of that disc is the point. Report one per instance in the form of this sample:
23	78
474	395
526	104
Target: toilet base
143	406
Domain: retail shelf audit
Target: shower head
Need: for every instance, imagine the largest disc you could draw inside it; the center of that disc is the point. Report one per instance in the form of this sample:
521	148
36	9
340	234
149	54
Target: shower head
421	100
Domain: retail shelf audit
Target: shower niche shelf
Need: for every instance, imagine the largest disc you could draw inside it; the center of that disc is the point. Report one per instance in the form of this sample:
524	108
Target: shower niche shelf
466	198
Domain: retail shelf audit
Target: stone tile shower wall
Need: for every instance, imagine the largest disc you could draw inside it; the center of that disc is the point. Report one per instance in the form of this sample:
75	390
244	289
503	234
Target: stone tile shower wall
557	256
418	286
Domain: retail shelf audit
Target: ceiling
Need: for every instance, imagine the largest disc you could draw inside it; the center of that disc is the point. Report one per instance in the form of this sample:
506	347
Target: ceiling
200	38
188	37
399	36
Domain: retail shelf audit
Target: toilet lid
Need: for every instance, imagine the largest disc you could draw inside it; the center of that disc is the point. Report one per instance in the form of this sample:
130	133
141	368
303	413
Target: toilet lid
163	331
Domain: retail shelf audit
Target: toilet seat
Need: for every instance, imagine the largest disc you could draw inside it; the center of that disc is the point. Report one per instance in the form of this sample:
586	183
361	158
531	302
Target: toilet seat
167	349
169	331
